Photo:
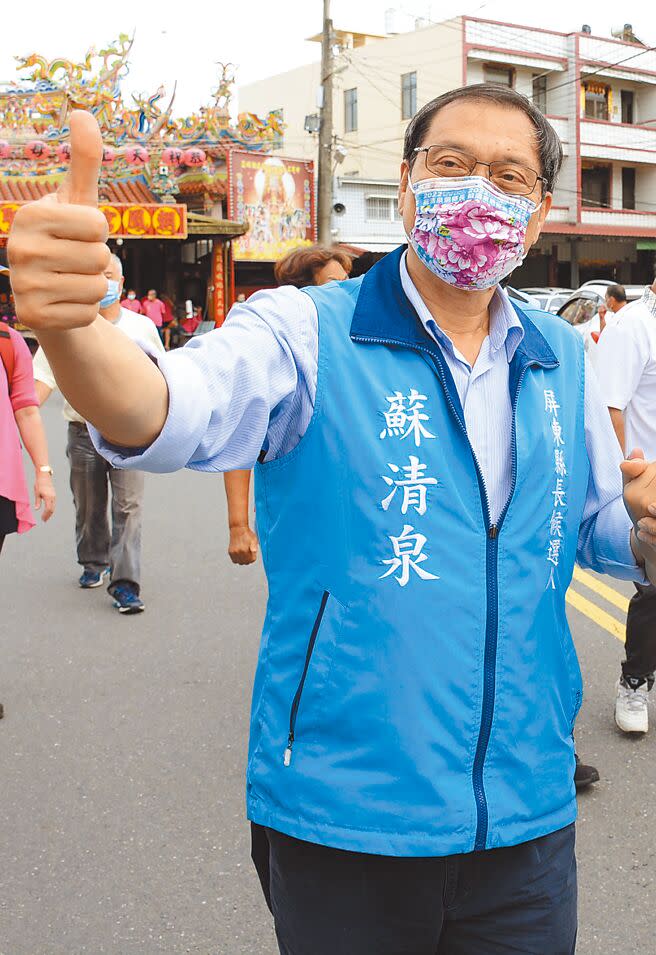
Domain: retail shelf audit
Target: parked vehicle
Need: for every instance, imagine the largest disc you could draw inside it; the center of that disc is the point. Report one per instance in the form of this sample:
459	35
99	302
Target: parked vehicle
550	298
582	305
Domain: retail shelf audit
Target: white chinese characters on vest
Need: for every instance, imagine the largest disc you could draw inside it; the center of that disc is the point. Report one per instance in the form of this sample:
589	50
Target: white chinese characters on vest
409	485
559	492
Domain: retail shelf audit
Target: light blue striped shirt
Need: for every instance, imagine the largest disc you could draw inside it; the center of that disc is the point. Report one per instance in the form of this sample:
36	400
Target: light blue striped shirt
251	386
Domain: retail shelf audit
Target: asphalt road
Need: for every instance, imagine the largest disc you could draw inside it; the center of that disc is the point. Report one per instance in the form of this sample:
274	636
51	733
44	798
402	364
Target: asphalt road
124	745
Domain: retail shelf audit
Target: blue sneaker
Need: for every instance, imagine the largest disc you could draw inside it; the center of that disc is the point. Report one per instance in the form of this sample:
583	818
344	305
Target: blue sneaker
93	578
126	599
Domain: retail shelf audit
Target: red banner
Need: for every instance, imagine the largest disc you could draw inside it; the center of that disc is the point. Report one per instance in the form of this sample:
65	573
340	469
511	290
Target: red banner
137	221
276	197
218	281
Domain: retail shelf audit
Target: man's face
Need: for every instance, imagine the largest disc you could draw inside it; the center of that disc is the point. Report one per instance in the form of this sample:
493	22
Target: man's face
490	133
152	294
113	271
612	304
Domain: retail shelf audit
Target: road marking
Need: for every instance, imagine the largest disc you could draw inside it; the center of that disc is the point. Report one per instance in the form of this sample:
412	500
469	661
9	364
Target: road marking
596	614
613	596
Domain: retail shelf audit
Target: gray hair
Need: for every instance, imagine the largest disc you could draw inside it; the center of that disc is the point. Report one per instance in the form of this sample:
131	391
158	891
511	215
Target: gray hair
547	140
115	259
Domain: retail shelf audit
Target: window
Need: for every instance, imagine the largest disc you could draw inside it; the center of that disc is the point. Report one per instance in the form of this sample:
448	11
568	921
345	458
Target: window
408	95
350	110
627	108
380	208
628	187
595	186
540	92
498	75
579	310
596	101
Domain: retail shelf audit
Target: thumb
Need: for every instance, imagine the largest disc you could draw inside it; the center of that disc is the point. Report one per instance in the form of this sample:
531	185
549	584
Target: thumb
633	466
80	186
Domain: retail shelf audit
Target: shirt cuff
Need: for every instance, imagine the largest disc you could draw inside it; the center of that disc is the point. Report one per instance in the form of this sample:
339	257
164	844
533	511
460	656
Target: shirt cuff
186	422
605	544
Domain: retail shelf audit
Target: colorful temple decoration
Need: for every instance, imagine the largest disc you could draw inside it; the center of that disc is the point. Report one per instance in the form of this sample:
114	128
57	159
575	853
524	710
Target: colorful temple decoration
165	158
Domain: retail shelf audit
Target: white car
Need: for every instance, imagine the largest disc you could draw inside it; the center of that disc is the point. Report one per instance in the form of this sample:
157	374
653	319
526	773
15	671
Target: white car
550	298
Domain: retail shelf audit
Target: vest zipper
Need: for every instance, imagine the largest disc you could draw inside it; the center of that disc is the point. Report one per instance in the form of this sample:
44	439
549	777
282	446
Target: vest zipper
491	640
492	585
299	690
492	620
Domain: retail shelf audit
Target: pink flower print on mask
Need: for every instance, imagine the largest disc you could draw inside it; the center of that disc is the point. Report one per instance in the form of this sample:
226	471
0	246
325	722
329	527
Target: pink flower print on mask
472	243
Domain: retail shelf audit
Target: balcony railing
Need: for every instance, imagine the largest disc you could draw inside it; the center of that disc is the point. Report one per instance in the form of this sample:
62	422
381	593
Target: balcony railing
602	140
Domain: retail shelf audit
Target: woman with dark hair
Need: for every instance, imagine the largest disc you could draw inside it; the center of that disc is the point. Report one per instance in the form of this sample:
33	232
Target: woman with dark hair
313	265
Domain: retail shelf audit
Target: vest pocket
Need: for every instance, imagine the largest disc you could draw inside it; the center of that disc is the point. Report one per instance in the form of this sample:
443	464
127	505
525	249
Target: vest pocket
301	683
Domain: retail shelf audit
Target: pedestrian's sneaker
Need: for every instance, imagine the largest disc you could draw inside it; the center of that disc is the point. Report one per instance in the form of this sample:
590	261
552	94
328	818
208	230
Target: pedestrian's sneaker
93	578
126	599
631	710
585	776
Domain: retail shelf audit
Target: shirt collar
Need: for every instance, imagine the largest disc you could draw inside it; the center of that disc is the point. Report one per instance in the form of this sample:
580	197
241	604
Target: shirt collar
505	326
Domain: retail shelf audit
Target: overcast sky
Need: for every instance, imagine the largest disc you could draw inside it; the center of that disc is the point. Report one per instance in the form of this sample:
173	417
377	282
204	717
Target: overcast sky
183	41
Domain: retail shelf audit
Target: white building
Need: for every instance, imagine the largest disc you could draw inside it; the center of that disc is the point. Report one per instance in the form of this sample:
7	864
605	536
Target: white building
599	94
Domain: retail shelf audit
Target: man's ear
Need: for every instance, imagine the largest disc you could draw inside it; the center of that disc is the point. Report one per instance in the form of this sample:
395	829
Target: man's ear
537	221
403	184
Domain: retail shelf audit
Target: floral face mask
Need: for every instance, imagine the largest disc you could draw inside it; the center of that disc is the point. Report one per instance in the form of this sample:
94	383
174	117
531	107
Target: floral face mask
467	231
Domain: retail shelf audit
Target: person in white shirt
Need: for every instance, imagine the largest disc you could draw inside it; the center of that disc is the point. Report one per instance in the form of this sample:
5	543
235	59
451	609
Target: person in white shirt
626	368
98	552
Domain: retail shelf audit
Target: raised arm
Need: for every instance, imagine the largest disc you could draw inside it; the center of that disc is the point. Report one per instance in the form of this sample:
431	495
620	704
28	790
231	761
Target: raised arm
57	255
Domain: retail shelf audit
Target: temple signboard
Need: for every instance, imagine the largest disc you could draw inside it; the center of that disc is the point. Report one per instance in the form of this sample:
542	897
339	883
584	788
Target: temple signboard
125	221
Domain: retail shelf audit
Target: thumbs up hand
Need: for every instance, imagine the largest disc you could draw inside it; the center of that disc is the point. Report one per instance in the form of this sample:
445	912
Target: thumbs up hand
56	249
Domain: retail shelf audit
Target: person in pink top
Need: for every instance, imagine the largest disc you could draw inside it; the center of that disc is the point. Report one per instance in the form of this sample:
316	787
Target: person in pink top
154	308
20	420
132	303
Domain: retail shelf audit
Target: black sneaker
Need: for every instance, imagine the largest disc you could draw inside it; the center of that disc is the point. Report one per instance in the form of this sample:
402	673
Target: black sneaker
584	776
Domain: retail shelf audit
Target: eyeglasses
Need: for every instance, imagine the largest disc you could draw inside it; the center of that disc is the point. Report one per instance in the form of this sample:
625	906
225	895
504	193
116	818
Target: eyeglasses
511	177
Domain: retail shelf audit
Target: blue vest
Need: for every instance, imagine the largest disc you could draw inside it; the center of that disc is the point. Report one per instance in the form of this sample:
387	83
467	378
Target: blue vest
417	683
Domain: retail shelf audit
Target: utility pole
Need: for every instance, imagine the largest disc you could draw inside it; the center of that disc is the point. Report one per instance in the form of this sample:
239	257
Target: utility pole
325	172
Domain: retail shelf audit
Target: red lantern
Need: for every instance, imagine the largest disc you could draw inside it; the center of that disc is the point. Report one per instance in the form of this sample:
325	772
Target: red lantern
5	149
63	152
108	156
37	149
194	156
172	156
136	156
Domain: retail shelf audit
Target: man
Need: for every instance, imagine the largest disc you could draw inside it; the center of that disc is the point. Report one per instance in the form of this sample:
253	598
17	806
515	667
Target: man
101	554
132	303
154	308
433	460
626	368
615	298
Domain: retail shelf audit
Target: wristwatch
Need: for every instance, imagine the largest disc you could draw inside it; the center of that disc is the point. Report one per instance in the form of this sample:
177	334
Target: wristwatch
46	469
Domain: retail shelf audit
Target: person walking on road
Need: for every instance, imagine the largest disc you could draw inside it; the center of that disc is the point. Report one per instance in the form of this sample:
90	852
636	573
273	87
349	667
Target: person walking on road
313	265
433	460
626	368
103	554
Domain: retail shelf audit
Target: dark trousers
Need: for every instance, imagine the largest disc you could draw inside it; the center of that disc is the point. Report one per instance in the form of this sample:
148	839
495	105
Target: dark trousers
640	660
326	901
90	474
